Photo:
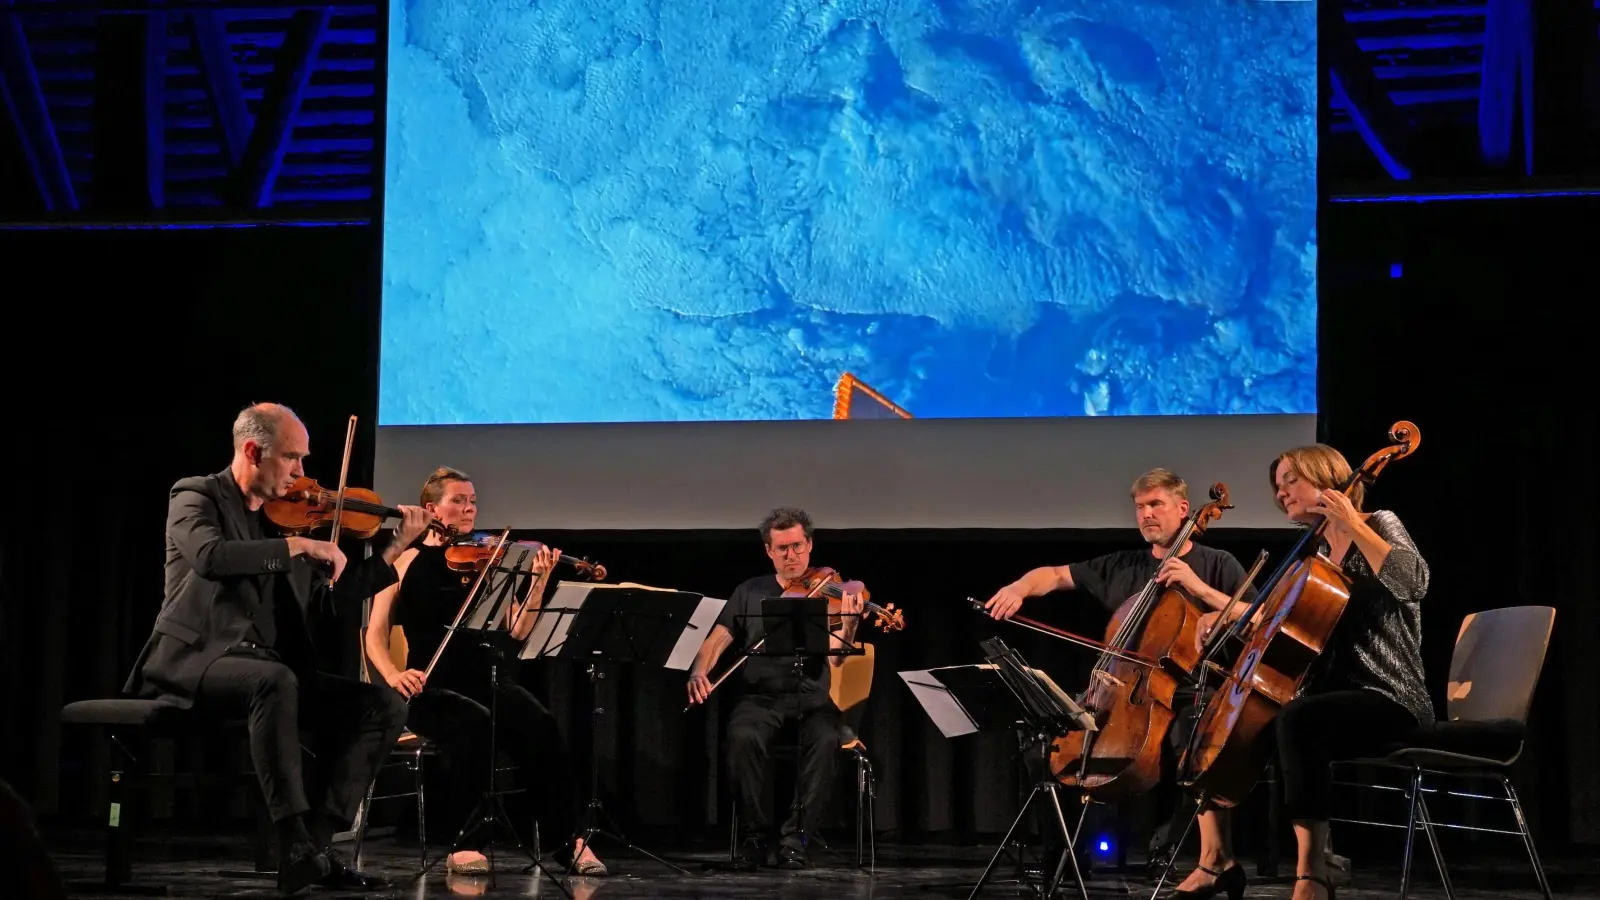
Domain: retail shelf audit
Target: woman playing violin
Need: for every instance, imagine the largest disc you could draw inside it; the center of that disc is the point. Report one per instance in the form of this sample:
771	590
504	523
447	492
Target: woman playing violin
1370	691
450	706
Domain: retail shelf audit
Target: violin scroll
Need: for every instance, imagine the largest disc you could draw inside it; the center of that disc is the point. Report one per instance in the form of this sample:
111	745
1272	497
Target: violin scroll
887	617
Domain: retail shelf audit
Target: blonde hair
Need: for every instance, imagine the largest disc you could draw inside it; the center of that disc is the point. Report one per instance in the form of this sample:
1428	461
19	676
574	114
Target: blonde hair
1163	479
433	488
1323	466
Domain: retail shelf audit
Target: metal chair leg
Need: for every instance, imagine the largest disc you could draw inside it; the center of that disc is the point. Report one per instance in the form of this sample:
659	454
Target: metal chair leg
422	813
1433	841
1413	795
861	802
1527	837
872	817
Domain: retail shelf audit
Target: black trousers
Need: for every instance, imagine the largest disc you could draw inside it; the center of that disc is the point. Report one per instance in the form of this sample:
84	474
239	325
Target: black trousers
752	725
1167	794
458	722
1318	729
349	726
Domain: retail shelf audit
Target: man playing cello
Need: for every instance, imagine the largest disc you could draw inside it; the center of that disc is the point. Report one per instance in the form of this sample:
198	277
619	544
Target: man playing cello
1160	506
774	697
232	639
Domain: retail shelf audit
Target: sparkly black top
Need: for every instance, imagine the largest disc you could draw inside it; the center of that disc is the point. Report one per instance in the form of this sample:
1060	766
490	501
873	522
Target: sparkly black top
1377	645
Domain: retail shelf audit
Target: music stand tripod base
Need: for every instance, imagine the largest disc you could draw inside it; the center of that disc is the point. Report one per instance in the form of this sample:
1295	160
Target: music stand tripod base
600	624
488	607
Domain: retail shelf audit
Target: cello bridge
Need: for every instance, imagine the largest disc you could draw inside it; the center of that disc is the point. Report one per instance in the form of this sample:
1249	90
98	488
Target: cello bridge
1107	678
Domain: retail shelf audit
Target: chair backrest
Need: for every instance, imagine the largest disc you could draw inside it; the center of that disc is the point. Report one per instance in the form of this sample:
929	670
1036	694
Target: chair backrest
398	648
851	685
1495	667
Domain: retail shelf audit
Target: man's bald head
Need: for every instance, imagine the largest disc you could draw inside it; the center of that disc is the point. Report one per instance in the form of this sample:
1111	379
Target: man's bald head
262	423
269	445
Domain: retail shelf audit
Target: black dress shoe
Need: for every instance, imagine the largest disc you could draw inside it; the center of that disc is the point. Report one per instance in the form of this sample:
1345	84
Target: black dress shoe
753	852
302	867
791	856
343	876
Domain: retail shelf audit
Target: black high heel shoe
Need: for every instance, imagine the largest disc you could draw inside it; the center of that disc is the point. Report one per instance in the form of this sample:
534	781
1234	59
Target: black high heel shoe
1326	885
1230	881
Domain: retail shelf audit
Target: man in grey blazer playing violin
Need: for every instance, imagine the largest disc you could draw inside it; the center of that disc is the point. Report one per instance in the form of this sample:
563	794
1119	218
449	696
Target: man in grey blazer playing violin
233	639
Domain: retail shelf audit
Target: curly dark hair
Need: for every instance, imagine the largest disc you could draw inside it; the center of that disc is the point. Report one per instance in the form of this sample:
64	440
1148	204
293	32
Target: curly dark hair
782	518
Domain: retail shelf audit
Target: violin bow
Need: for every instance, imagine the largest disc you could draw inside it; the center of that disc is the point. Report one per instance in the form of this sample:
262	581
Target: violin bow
1224	624
344	476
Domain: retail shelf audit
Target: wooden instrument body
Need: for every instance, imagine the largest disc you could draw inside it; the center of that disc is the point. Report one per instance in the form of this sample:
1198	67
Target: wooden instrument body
1132	703
1231	745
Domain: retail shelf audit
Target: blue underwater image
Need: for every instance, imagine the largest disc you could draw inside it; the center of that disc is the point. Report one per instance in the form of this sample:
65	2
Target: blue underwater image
639	211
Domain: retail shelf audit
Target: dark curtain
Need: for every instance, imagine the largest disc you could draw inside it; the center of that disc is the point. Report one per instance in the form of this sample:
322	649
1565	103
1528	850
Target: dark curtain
1471	342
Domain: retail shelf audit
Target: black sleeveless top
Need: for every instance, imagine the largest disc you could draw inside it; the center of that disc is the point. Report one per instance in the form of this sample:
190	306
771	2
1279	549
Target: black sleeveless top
429	598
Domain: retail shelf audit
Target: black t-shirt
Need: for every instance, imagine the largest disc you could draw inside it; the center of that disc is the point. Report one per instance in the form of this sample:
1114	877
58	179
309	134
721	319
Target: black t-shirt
766	674
1113	578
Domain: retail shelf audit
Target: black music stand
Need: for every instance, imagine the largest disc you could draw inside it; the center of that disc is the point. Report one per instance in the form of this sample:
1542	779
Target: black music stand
486	621
1008	695
600	624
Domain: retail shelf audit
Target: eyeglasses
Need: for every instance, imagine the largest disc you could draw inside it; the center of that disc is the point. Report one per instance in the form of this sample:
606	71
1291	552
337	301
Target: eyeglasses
790	549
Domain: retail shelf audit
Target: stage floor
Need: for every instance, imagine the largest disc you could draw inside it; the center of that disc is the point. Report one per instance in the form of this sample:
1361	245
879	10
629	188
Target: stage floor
191	867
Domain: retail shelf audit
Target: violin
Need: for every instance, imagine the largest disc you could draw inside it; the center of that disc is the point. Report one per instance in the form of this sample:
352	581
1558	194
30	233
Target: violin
472	552
824	581
308	507
1299	606
1132	702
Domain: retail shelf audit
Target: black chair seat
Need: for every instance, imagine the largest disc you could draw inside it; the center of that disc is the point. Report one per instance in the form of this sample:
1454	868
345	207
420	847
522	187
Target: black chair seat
140	713
1460	745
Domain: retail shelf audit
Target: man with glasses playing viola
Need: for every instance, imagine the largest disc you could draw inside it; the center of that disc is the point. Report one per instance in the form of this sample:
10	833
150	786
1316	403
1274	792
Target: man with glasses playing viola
774	695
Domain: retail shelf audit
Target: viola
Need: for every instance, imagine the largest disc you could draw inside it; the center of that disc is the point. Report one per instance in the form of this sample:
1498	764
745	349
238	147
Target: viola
1132	702
826	582
472	552
1299	607
823	581
309	507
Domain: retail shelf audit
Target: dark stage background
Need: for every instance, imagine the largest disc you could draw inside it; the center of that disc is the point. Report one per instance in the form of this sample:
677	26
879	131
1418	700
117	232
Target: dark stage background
149	341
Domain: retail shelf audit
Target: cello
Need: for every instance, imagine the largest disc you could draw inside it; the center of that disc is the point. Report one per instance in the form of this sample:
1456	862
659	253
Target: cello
1299	607
1132	701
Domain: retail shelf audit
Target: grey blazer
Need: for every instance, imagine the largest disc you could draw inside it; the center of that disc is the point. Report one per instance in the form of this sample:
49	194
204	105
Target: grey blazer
211	591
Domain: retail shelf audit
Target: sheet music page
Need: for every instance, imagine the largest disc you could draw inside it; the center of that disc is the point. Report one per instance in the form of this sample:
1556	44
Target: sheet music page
1063	698
705	615
550	628
940	704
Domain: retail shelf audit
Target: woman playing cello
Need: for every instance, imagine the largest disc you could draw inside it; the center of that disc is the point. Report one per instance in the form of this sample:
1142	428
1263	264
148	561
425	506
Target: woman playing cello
1369	692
